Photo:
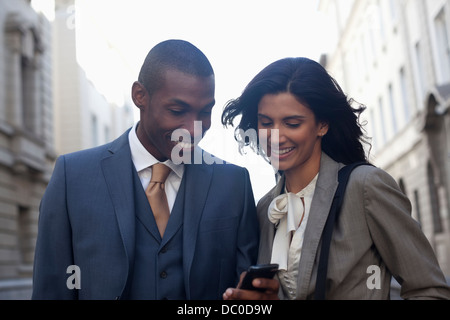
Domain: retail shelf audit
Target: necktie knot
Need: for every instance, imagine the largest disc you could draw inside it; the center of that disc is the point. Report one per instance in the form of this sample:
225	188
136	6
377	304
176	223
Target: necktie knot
160	172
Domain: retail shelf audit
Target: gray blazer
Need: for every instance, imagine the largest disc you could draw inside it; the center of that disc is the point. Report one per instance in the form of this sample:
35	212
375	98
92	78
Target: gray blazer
374	238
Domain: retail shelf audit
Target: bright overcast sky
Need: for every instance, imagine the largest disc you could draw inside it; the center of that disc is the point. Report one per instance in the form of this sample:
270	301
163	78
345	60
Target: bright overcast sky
239	37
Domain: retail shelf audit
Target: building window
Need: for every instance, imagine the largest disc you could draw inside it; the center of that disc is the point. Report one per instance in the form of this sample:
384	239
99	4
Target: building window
405	101
443	46
25	239
381	21
381	121
420	74
393	10
23	66
28	114
363	60
392	107
373	29
107	134
29	57
434	200
94	130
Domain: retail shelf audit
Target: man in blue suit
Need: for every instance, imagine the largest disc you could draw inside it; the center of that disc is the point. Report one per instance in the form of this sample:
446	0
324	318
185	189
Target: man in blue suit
98	238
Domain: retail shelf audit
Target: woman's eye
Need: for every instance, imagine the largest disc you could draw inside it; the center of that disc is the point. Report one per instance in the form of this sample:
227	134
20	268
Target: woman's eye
293	125
265	124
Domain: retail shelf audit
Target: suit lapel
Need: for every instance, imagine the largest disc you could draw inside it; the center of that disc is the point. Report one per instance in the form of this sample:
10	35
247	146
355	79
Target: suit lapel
267	228
118	169
320	207
198	180
176	216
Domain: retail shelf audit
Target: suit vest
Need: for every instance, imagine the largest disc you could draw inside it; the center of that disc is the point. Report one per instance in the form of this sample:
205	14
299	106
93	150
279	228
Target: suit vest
157	272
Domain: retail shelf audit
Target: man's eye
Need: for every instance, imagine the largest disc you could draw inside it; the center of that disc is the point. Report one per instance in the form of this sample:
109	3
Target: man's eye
176	112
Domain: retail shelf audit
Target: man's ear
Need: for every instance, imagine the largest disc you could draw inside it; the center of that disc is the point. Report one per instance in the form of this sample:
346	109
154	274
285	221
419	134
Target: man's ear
139	94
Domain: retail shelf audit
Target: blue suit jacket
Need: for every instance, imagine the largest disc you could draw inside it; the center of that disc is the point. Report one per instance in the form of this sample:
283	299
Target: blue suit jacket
87	219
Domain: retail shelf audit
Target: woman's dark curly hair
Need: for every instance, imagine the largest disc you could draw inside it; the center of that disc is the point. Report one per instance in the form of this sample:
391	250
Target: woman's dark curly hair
311	84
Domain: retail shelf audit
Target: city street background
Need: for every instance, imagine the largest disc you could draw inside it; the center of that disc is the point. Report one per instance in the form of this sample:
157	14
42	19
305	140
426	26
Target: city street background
67	66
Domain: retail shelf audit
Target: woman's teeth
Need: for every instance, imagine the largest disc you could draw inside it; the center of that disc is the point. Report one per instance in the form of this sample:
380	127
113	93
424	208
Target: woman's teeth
284	151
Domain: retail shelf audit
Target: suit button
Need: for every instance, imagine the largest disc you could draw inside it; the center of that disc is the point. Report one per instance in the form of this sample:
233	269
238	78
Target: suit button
163	274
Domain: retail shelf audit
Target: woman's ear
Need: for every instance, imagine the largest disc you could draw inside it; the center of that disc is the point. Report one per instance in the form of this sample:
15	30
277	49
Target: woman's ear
323	129
139	94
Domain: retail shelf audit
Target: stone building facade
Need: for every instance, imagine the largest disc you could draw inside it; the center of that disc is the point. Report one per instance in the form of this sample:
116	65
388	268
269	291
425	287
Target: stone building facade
48	107
26	138
394	57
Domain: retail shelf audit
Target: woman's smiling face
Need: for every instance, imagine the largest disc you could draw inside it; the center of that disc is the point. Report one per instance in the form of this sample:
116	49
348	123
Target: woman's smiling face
298	142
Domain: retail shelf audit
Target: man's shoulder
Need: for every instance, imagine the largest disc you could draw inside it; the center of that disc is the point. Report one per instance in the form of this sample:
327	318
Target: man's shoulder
88	153
99	152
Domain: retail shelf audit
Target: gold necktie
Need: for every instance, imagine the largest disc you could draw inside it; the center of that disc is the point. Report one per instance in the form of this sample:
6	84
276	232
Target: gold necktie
157	196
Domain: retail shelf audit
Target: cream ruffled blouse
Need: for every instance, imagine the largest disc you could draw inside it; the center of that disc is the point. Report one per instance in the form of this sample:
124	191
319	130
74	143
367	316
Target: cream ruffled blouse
289	212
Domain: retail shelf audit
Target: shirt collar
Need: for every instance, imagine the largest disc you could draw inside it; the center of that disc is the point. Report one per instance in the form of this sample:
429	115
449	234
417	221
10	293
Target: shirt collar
143	159
307	191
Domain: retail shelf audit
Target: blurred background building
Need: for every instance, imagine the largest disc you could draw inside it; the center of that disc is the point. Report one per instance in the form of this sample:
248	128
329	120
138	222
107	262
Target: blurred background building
84	117
393	56
48	106
26	138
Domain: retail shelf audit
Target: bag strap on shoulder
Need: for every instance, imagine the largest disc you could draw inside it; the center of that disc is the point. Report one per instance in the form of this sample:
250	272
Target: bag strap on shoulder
343	176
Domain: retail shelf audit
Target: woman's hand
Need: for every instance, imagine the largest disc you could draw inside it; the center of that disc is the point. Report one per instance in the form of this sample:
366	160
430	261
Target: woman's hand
270	292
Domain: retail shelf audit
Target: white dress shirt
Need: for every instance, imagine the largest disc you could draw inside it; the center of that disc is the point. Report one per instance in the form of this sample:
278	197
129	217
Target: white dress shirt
143	160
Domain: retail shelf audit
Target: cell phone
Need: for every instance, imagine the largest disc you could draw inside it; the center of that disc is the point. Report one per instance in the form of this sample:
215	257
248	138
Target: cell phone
258	271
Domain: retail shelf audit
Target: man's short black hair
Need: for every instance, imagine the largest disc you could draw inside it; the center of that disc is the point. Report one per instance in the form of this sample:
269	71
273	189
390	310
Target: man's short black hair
173	54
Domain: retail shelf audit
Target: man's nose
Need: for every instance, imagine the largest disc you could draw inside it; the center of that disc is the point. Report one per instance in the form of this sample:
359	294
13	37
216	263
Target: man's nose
196	128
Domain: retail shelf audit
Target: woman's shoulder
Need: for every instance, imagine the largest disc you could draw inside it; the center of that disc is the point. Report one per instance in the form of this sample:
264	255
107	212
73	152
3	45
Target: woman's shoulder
370	176
267	198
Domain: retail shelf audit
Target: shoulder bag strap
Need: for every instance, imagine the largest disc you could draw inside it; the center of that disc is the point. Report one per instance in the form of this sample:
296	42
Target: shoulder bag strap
343	175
